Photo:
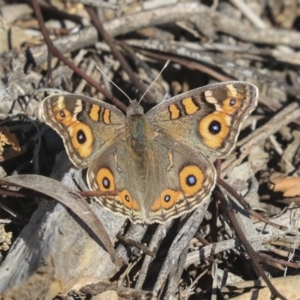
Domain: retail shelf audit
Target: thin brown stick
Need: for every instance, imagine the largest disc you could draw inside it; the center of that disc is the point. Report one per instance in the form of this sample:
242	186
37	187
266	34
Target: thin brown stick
267	259
287	115
110	42
246	205
229	66
248	247
138	245
53	50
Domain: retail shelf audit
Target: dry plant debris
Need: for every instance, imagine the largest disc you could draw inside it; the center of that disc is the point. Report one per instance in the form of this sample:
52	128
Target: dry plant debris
57	252
5	239
8	139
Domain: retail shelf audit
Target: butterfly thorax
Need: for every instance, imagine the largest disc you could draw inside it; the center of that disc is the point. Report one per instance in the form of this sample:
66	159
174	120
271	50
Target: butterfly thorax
137	132
137	127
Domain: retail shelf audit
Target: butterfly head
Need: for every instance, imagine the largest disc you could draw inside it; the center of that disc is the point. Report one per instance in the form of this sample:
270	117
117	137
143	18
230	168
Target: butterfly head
134	109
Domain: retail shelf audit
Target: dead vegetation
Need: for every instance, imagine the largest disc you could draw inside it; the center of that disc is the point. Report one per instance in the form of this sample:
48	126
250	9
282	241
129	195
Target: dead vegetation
85	251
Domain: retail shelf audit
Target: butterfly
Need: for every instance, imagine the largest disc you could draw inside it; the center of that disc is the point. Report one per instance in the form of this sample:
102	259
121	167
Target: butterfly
157	164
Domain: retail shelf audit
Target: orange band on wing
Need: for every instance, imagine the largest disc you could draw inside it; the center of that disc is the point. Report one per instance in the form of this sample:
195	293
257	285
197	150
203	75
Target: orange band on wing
106	116
190	106
94	113
174	112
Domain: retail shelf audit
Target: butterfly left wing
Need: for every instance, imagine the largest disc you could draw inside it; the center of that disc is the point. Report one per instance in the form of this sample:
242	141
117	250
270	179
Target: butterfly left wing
209	118
87	126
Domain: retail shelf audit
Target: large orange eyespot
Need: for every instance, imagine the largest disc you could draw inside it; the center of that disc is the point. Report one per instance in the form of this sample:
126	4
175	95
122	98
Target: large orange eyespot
82	138
105	180
213	129
191	180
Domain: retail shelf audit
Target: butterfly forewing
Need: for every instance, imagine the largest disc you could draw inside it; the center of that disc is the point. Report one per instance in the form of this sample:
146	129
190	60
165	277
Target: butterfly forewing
207	119
87	126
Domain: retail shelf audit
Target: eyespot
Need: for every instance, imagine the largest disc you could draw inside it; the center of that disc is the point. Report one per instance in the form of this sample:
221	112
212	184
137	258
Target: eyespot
191	180
168	198
213	129
62	114
106	183
232	101
126	199
64	117
105	180
82	138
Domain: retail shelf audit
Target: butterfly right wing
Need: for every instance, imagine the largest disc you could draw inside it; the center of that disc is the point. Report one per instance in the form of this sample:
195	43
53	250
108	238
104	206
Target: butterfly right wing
207	119
117	171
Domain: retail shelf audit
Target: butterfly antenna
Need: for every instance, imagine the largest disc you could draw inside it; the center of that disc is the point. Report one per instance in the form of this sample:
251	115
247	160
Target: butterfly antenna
112	82
166	64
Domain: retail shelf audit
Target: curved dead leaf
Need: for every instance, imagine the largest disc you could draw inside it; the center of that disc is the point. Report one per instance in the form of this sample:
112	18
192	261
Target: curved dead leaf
63	194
